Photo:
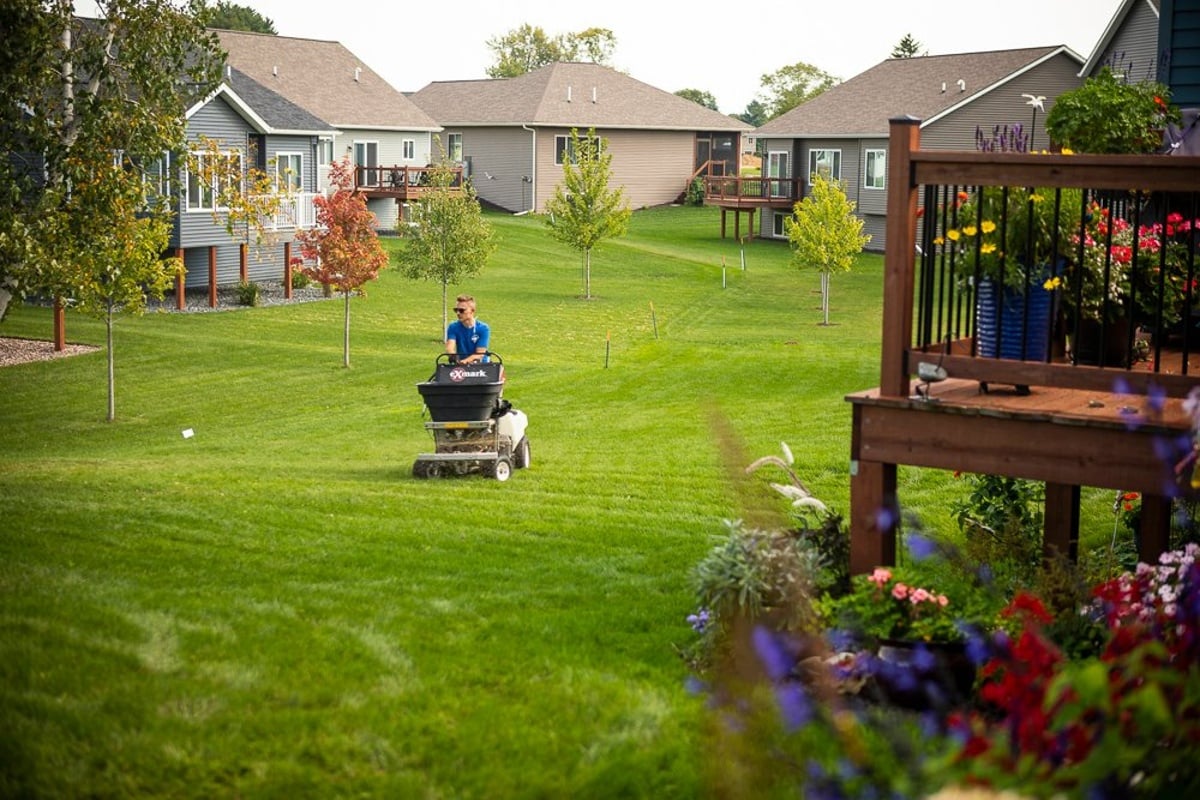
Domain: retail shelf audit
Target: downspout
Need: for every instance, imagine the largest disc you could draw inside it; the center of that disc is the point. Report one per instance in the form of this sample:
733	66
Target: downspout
532	171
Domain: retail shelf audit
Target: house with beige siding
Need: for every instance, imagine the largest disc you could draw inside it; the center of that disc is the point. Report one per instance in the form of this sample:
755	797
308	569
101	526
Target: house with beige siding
374	124
510	134
967	101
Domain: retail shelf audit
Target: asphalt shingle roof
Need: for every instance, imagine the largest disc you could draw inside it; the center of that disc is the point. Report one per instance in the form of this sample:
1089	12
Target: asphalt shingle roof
280	113
577	95
922	87
324	78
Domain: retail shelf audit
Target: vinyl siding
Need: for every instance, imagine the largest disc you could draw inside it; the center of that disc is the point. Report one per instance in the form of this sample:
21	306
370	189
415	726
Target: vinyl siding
391	153
1181	40
1133	50
505	154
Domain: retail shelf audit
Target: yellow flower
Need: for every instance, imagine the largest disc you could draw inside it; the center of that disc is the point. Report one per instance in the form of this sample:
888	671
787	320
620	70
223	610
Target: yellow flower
939	240
969	230
1053	283
952	235
987	226
988	247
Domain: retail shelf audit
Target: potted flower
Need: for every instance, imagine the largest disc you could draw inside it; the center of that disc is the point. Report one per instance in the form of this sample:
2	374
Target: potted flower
1109	114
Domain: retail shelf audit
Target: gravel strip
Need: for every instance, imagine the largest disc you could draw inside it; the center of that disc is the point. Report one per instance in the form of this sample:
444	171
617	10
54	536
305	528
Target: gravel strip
22	351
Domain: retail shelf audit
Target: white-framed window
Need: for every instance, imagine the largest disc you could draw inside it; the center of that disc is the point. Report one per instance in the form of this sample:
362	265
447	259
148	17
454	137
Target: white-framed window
289	171
454	150
201	193
156	180
875	170
779	224
564	148
410	149
778	167
826	163
324	151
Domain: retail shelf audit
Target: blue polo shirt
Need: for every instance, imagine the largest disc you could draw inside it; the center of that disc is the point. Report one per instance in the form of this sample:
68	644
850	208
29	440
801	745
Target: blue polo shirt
467	341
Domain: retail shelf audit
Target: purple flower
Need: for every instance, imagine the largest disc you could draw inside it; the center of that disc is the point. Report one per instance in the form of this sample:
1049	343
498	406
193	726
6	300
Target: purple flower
795	706
772	652
921	547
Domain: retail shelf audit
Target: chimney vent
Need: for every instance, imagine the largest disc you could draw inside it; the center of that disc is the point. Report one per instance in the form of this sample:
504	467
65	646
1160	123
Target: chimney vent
962	85
593	94
357	72
568	94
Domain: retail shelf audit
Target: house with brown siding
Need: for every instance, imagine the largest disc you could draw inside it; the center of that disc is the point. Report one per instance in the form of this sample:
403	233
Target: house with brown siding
964	102
373	123
509	133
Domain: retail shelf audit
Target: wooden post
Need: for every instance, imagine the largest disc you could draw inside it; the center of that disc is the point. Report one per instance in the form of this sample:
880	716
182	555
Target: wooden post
243	263
898	268
874	507
287	270
212	276
180	281
723	222
1154	534
60	326
1061	522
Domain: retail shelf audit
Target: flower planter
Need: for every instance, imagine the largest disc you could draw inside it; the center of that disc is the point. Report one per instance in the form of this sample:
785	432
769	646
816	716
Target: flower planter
1106	346
1009	324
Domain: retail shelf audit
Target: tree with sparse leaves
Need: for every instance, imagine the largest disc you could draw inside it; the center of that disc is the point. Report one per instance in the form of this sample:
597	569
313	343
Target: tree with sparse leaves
824	233
447	239
584	210
788	87
234	17
343	251
699	96
529	47
88	108
908	47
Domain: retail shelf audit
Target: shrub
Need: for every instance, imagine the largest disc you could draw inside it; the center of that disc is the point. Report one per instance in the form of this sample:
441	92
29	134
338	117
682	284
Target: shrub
695	192
300	279
248	293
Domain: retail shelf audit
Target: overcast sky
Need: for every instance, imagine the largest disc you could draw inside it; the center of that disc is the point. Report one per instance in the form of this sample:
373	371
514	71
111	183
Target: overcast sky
724	50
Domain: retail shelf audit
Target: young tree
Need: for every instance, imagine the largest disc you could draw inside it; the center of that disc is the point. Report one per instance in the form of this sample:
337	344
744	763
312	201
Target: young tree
824	233
234	17
343	247
449	240
908	47
699	96
584	210
86	108
788	87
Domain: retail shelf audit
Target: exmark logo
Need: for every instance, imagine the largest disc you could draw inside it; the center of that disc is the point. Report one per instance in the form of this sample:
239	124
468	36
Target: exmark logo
459	374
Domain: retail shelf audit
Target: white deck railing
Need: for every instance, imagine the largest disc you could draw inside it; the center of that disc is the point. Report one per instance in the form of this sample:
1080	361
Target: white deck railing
296	212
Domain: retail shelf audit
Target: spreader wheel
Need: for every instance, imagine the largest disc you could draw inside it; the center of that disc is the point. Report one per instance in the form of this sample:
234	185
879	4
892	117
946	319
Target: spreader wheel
522	457
502	469
420	469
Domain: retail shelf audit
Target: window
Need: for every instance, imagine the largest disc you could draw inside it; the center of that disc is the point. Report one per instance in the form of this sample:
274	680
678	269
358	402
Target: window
780	224
875	174
157	180
454	147
826	163
206	182
777	167
289	171
324	152
366	154
564	148
410	149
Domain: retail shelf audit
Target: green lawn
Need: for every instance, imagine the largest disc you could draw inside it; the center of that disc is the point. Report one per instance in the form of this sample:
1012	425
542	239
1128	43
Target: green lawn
276	607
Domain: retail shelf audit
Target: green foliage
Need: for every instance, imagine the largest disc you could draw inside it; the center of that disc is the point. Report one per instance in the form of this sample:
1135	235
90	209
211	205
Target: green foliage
583	210
1109	114
755	114
700	97
788	87
1001	522
825	233
907	47
528	47
233	17
248	293
695	192
450	240
300	280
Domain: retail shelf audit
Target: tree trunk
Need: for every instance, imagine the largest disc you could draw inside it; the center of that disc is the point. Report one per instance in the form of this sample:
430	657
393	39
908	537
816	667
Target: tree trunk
346	333
587	274
825	297
445	318
108	339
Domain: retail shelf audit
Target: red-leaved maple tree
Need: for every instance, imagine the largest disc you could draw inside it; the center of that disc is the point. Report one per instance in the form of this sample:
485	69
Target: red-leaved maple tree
342	252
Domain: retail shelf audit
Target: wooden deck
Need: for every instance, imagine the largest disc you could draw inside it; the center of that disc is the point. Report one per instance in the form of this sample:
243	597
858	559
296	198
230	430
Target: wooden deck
749	195
1073	428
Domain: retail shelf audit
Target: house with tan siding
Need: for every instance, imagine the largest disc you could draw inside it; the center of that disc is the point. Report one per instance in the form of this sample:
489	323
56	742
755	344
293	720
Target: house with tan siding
373	123
509	134
966	101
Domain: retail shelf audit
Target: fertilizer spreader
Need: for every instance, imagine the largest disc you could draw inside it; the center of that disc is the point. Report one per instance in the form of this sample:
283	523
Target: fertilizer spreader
474	430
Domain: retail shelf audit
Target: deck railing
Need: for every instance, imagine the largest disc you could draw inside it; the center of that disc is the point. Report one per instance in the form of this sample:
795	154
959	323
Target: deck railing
756	189
296	212
1131	224
402	180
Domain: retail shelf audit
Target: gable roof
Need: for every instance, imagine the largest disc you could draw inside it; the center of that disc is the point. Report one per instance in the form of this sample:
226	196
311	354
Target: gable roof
569	95
325	79
924	87
268	111
1114	26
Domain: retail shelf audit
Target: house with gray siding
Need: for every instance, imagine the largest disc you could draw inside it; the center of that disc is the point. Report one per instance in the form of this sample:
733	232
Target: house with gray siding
1129	44
373	124
265	131
966	101
511	133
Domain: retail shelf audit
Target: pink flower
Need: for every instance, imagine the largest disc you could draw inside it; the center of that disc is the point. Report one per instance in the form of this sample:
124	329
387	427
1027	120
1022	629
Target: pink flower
899	591
943	601
919	596
880	576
